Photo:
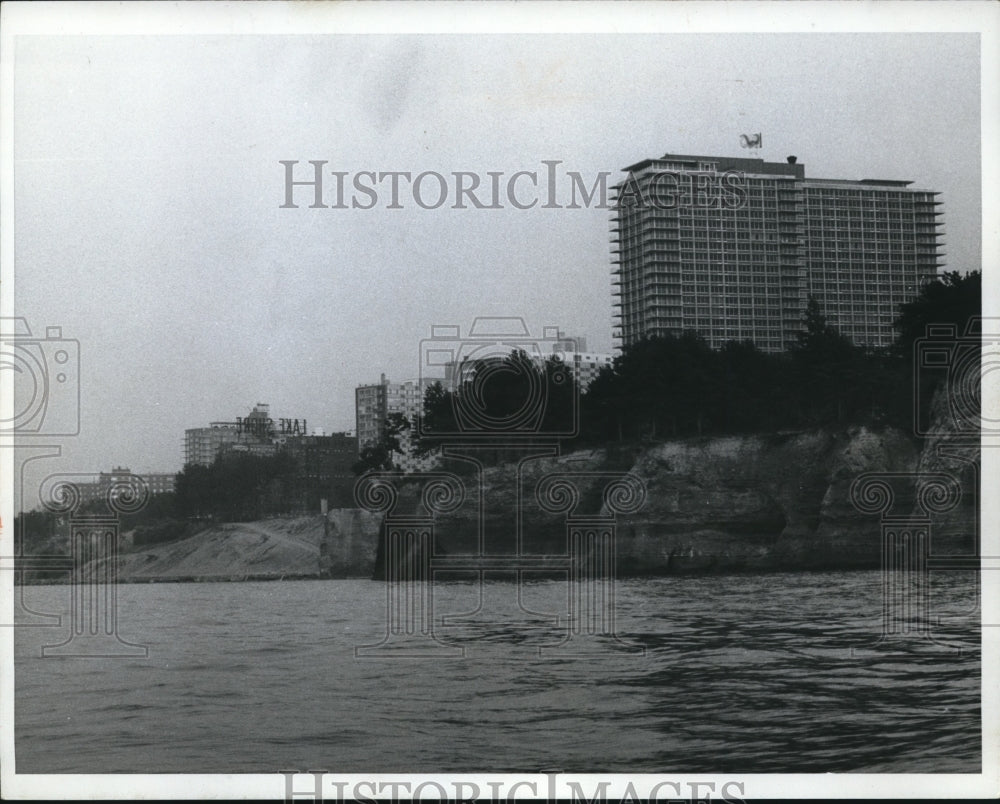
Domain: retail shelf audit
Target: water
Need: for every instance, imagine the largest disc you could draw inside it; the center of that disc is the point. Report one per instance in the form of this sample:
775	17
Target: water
750	673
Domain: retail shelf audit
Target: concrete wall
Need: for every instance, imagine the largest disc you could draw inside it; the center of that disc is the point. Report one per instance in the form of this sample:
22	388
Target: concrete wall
349	544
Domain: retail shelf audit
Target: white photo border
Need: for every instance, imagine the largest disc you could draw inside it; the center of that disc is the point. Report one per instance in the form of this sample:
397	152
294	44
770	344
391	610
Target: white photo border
289	18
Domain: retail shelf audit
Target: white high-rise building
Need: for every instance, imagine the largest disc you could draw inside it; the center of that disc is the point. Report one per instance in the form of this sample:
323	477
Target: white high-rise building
732	248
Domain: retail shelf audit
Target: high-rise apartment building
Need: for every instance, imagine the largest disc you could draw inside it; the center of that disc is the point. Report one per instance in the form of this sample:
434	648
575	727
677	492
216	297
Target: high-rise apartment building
374	403
869	247
732	248
203	444
256	433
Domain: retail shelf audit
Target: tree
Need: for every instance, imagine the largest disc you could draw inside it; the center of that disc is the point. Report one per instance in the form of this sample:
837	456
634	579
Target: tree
950	303
194	490
952	299
379	456
437	419
659	386
237	487
755	391
500	397
561	398
826	367
603	407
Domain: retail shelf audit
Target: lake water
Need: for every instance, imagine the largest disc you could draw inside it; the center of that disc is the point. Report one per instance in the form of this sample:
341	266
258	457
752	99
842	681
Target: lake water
741	673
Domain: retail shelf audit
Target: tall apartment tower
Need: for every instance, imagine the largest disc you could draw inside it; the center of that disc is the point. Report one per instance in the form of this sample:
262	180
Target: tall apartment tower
370	411
732	248
374	403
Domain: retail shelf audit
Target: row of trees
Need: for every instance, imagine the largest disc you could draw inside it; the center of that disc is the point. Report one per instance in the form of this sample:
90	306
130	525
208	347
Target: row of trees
41	532
238	487
677	385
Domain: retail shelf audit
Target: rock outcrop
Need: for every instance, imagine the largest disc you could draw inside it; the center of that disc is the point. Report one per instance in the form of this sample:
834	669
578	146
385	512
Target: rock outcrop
780	501
755	502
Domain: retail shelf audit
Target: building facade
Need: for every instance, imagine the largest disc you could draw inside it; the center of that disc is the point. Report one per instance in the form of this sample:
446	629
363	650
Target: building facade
869	247
156	483
374	403
256	433
203	444
160	482
323	464
370	412
585	365
732	248
323	469
570	351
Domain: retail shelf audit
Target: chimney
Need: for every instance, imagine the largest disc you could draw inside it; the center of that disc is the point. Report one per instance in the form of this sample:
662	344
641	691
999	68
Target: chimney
792	159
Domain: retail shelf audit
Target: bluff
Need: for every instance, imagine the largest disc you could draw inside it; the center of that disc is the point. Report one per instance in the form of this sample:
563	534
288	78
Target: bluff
754	502
762	502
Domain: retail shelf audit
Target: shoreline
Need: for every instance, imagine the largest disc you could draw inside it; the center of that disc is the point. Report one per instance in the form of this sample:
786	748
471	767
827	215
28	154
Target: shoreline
537	577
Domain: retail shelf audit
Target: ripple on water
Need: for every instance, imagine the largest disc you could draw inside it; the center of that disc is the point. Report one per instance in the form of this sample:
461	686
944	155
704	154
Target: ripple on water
771	673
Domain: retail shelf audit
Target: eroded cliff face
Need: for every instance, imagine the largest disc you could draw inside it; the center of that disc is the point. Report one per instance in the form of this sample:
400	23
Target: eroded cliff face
779	501
764	502
952	448
758	502
754	502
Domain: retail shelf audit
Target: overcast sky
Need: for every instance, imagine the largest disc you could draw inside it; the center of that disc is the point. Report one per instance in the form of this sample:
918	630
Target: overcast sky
148	191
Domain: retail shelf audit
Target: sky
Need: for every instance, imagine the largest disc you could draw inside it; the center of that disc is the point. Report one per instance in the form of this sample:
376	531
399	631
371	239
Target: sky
149	189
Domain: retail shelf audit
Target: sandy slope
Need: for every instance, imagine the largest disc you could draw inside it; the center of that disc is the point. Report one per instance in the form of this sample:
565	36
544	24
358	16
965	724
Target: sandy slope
267	549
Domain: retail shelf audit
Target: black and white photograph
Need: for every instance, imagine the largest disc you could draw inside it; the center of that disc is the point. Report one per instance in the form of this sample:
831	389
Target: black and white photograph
494	401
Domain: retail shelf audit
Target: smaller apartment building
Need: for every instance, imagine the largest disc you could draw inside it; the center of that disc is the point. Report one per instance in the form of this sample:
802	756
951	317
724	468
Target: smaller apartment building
323	463
156	483
374	403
